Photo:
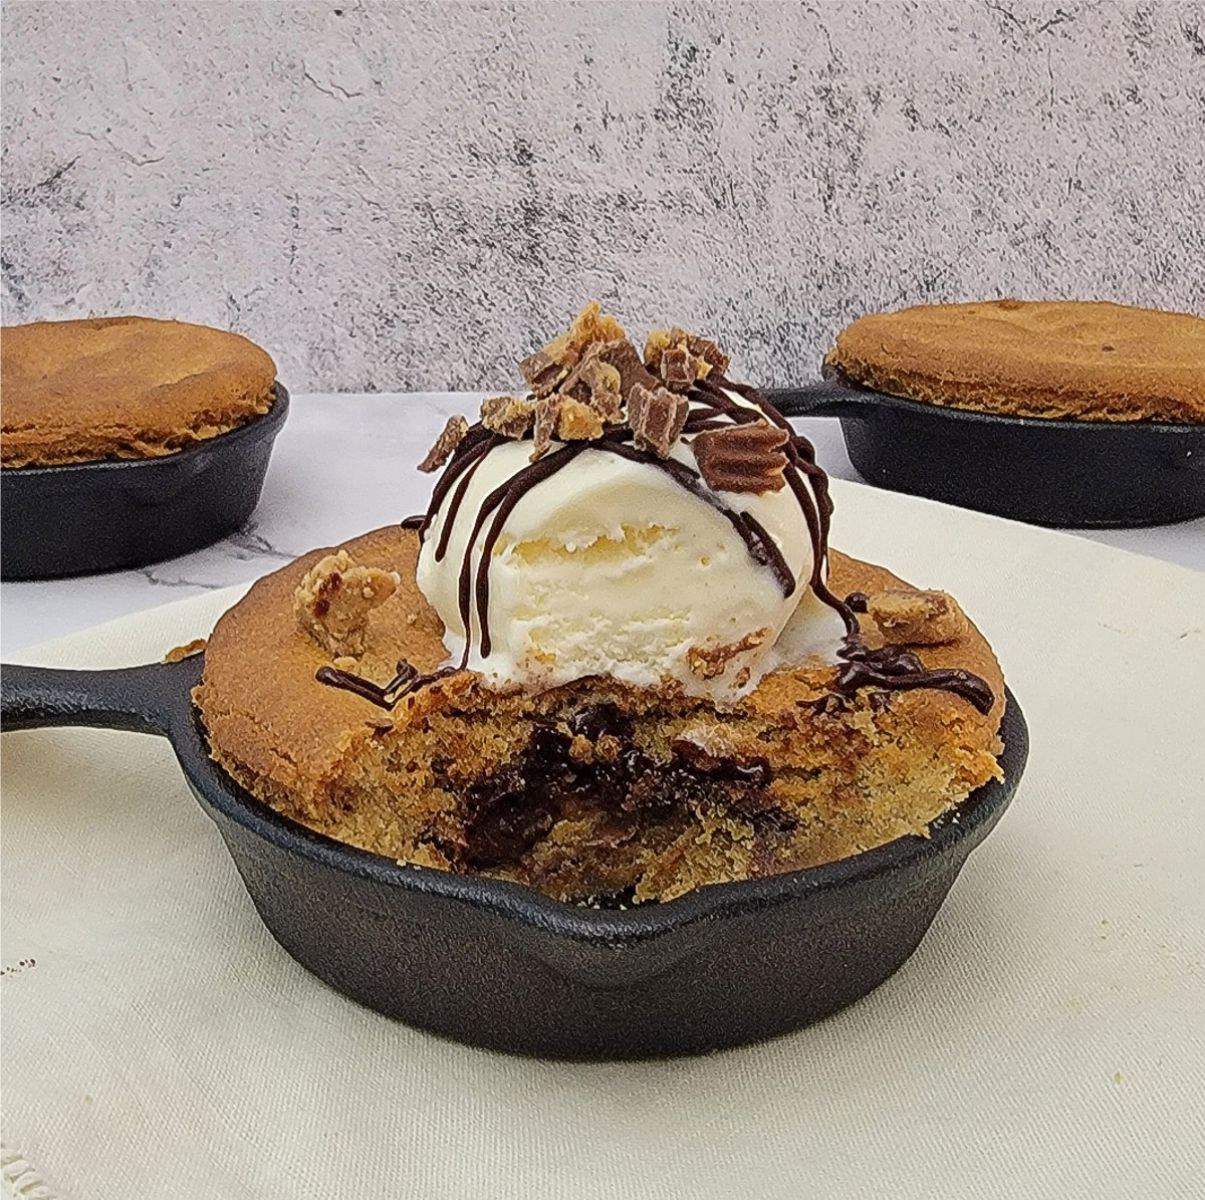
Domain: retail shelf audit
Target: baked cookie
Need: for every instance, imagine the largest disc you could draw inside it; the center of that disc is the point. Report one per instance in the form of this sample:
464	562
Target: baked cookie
1078	360
593	790
616	659
124	387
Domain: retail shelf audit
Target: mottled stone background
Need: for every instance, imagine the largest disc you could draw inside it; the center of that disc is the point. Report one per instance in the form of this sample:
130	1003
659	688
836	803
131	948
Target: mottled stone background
396	196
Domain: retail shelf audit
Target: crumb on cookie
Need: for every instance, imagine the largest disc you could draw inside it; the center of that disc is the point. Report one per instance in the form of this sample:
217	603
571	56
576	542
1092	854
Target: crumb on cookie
180	653
909	618
333	601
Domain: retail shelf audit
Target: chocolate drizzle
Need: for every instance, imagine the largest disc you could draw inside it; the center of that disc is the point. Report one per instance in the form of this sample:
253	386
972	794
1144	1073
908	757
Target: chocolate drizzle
501	501
405	682
474	446
887	669
716	409
892	669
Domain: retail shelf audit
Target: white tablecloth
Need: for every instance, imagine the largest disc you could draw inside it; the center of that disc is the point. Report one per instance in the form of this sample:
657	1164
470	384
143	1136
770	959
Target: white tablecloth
1045	1040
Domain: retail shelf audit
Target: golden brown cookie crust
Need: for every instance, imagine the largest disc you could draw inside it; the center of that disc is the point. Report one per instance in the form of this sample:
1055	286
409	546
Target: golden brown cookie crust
854	778
124	387
1080	360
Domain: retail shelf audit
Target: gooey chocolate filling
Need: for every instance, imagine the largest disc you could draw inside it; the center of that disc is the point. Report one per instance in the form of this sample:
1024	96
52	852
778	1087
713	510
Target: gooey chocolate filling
504	816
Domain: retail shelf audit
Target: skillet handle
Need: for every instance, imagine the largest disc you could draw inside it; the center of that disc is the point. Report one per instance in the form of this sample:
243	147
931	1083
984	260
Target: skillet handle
821	399
138	699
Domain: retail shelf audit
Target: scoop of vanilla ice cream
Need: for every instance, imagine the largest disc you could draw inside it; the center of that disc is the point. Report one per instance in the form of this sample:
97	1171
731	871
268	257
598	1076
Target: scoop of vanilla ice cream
611	568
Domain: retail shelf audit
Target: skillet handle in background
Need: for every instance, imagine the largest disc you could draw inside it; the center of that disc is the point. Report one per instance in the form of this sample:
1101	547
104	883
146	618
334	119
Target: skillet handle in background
137	699
820	399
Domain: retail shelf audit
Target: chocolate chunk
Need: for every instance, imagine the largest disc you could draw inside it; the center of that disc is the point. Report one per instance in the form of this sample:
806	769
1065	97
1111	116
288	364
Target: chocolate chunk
445	444
510	416
830	705
755	772
595	721
656	419
742	458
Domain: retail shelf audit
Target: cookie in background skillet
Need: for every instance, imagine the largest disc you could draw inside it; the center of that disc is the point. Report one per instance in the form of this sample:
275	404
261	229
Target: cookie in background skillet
126	440
1065	360
1066	413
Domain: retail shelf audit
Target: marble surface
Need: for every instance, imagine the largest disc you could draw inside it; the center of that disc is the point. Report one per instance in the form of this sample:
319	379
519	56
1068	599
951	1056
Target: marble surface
344	464
400	196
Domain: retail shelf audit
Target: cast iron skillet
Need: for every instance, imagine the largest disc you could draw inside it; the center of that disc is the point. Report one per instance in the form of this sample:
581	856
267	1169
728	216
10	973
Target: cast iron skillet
1062	473
499	965
81	518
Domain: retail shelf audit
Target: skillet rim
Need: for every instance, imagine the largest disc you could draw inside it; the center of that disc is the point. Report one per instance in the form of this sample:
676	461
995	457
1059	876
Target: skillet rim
872	397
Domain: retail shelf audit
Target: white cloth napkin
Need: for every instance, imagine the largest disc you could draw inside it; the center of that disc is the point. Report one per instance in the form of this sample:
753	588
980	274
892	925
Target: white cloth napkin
1045	1040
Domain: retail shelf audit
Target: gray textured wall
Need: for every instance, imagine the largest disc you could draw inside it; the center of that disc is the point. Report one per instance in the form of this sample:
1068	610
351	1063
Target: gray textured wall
395	196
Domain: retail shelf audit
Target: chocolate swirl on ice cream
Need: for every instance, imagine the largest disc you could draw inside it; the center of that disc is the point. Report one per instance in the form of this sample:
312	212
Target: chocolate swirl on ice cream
715	411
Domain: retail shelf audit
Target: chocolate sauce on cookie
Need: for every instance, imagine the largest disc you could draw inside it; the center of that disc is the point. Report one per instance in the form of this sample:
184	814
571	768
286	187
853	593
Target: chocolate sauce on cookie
893	669
405	682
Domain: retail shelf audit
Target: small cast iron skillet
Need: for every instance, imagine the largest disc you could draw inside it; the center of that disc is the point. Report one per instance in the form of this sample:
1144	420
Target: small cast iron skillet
499	965
1062	473
80	518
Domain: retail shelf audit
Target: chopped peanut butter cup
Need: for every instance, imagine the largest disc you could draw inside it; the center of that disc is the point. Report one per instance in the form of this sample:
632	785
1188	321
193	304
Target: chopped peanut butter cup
510	416
445	444
743	458
656	419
